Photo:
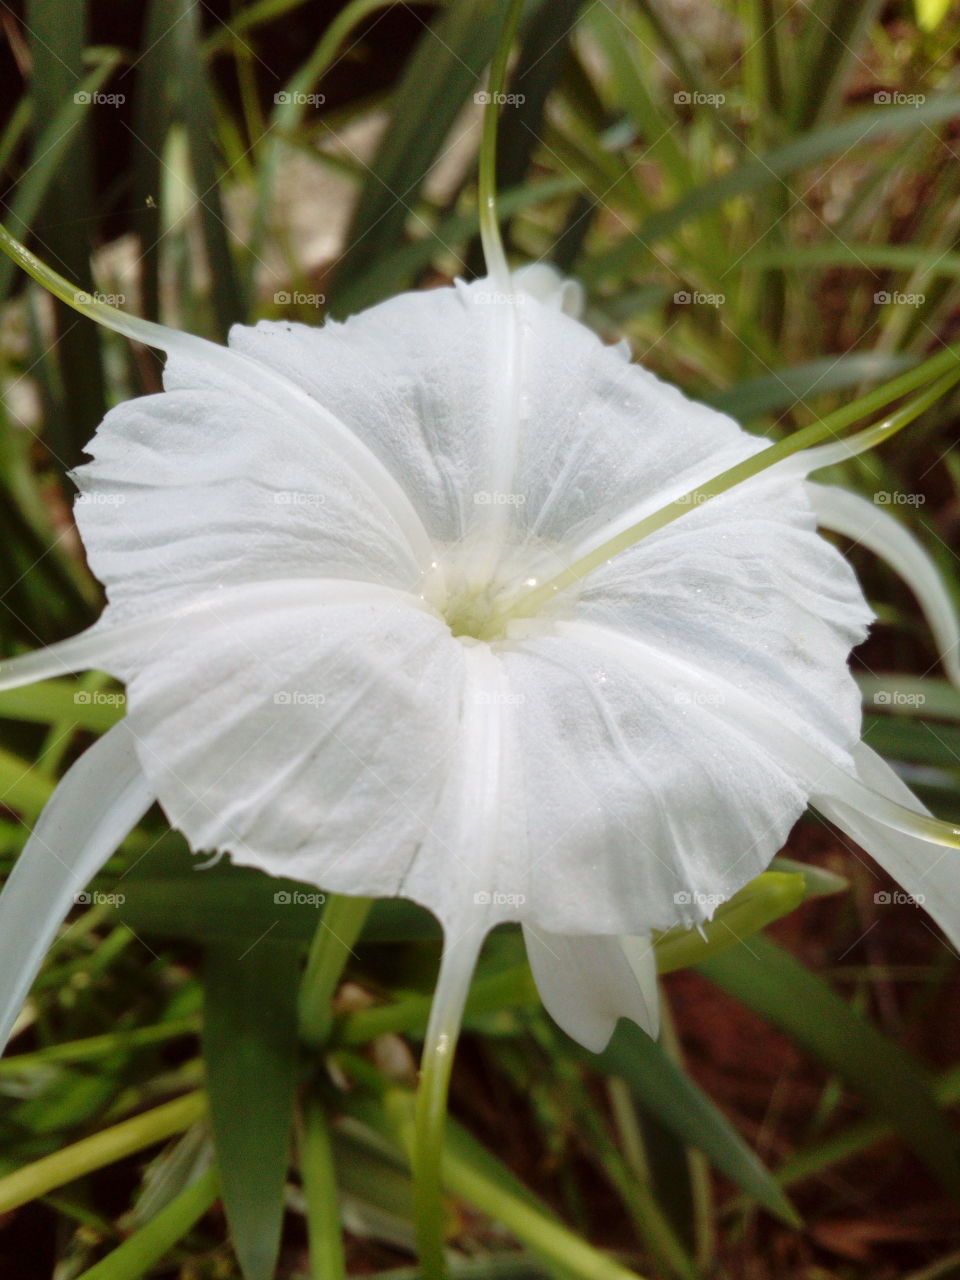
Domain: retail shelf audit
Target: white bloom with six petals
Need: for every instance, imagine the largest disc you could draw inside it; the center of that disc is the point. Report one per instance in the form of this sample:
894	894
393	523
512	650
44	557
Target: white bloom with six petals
322	550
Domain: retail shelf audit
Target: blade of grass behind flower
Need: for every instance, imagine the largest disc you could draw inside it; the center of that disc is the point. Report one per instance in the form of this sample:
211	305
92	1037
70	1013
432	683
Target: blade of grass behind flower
775	985
196	113
872	125
445	68
250	1050
56	35
784	388
831	45
666	1092
146	1247
543	50
155	74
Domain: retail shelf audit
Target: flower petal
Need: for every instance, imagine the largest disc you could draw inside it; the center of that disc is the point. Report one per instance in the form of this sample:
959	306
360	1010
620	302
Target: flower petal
745	587
122	647
872	526
98	801
930	874
477	401
311	740
588	983
644	806
199	488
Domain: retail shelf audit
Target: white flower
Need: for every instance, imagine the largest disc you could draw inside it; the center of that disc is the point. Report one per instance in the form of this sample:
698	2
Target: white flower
325	553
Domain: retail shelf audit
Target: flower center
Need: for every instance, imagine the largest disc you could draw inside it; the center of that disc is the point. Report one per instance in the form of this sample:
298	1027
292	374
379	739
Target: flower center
476	583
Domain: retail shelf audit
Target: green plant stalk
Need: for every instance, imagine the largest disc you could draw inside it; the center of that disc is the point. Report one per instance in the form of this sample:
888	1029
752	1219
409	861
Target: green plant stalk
553	1242
493	252
100	1149
340	926
146	1247
768	897
317	1168
99	1046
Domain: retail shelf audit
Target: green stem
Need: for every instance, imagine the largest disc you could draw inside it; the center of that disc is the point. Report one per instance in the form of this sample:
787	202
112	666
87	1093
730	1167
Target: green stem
558	1246
327	1260
108	1146
446	1013
340	925
493	253
148	1246
99	1046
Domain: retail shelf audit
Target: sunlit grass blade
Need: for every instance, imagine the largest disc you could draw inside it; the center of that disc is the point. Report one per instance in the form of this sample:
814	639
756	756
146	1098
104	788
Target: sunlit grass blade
106	1147
149	1245
872	125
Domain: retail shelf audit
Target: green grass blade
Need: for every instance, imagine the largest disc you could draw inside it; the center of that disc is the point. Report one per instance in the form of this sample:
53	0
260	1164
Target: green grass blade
873	125
446	67
775	985
57	36
250	1050
146	1247
666	1092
